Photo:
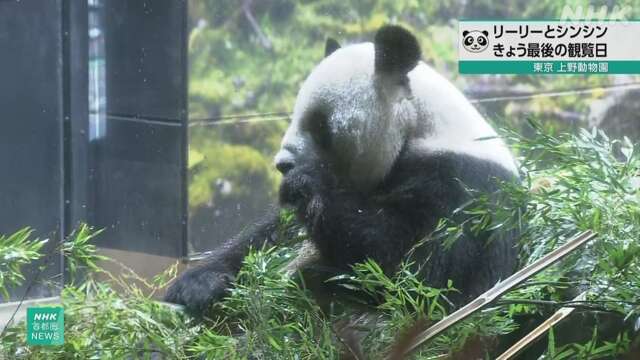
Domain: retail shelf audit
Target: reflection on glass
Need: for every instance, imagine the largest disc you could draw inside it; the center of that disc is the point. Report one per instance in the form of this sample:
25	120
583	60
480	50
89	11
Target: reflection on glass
97	90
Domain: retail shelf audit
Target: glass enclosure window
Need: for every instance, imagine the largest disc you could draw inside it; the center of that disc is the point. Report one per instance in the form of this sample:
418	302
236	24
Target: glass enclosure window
94	98
159	120
137	129
247	60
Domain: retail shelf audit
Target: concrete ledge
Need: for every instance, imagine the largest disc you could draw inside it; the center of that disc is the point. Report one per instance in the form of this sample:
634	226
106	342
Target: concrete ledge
7	309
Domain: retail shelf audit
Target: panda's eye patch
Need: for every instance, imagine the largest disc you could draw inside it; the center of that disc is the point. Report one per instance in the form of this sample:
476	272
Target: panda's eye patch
468	40
482	40
317	123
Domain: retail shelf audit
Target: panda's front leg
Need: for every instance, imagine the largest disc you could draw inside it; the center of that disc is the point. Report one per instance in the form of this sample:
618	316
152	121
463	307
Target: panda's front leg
200	287
208	282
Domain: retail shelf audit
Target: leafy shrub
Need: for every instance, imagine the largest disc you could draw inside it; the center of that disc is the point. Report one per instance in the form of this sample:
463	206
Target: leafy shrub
571	183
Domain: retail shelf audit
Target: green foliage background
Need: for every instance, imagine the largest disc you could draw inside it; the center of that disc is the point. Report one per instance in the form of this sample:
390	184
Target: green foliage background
238	68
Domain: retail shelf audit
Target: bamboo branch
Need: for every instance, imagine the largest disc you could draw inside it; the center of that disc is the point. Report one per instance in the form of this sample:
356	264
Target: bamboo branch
500	289
540	330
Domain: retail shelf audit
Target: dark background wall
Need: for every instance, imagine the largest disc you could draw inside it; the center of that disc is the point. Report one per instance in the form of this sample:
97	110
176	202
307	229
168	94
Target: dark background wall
31	113
131	179
139	182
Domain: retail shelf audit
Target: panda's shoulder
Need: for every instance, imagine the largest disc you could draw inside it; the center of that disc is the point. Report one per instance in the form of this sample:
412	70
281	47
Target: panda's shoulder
447	123
473	153
444	166
434	94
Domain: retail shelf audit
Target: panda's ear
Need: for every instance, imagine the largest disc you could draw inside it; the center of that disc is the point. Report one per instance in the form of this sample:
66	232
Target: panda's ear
396	50
330	46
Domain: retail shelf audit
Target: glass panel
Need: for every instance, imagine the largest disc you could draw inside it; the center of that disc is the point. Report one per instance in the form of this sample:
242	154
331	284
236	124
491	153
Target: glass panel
137	109
232	180
31	140
247	60
238	111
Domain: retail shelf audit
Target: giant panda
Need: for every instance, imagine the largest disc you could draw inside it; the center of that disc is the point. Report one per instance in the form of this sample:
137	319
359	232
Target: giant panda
380	147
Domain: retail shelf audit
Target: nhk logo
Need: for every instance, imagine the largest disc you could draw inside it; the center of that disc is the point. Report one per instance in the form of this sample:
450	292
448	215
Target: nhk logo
41	316
45	326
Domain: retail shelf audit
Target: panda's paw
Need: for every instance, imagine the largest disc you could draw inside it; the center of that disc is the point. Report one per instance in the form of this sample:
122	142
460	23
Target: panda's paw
198	288
315	207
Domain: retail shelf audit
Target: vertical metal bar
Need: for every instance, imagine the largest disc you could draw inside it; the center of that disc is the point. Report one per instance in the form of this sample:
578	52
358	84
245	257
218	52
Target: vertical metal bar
74	101
65	131
184	248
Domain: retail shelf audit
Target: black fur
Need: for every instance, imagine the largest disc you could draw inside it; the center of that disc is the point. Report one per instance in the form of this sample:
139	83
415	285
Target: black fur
428	187
349	226
396	50
330	46
207	283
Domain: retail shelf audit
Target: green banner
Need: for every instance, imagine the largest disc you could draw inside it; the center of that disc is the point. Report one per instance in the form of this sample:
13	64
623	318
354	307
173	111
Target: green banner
549	67
45	325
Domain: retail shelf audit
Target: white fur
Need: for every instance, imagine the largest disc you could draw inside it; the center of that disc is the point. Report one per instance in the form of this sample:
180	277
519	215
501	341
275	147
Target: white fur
454	123
373	116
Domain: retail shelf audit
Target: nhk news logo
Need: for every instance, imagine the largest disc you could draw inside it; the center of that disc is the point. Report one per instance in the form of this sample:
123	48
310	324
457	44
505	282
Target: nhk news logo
45	326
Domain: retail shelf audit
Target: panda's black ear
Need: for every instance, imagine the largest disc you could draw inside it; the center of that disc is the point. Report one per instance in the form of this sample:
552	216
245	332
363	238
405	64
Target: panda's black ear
396	50
331	46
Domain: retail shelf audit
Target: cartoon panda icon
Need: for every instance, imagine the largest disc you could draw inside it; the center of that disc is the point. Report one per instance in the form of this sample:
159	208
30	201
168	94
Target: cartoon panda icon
475	41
